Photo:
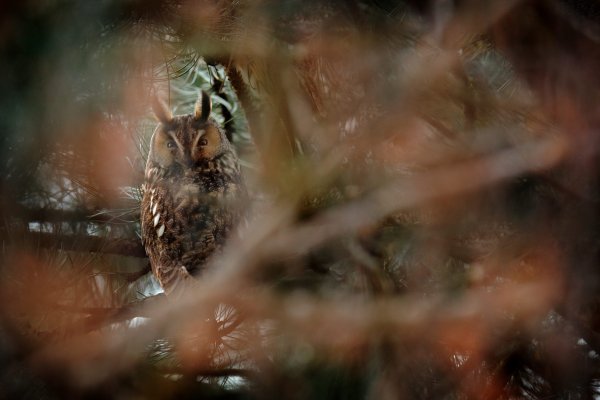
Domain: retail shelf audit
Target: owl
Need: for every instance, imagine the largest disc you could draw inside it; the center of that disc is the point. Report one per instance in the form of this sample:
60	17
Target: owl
192	195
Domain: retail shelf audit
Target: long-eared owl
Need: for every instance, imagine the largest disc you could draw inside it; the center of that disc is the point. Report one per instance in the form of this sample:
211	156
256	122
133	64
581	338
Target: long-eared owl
192	195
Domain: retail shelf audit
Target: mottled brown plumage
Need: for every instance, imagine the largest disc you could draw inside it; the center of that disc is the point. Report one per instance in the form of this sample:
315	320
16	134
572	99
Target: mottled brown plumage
192	195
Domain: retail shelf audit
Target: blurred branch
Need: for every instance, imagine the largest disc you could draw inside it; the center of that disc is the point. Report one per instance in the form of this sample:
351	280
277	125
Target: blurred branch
134	276
214	372
129	276
489	312
582	328
80	215
249	105
218	88
101	316
94	244
419	190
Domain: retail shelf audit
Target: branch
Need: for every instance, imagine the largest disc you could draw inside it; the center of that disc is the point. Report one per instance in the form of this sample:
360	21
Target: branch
214	372
83	215
94	244
101	316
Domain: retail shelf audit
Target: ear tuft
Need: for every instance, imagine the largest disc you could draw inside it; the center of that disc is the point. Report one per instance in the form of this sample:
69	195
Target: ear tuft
161	111
203	107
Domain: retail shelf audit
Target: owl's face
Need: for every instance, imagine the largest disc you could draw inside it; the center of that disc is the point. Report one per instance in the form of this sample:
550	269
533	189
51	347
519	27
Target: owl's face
186	141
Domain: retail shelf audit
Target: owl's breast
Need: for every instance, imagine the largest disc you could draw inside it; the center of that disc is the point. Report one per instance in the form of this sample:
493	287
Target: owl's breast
184	223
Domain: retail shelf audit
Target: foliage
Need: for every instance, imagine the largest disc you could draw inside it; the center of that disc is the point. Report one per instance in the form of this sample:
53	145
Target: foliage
422	220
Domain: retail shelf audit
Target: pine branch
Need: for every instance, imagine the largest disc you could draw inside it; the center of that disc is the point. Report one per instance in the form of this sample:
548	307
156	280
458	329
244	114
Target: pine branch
214	372
78	215
98	317
83	243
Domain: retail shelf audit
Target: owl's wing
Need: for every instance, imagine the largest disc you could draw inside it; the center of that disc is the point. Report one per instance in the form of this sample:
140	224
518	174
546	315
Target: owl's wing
160	231
184	230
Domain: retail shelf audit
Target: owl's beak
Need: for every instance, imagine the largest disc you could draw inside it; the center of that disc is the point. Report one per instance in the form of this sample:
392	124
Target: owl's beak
193	158
188	160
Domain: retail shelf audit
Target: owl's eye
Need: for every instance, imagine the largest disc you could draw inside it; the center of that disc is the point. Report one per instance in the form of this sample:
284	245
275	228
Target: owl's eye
171	144
203	142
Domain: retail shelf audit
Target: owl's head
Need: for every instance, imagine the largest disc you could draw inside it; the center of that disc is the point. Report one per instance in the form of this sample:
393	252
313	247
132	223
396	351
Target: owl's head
185	141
